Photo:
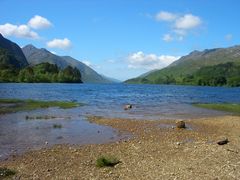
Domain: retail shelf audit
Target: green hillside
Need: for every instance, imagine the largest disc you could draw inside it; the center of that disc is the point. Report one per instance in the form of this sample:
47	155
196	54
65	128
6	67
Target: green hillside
227	74
11	54
189	66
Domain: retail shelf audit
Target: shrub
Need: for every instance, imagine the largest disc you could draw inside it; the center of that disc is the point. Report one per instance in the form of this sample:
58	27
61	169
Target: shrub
5	172
57	126
105	161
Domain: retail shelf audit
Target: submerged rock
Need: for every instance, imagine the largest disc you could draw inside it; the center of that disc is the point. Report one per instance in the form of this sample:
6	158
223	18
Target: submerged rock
180	124
128	106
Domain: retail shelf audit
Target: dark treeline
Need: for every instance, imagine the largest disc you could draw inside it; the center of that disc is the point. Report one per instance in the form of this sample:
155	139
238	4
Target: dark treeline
44	72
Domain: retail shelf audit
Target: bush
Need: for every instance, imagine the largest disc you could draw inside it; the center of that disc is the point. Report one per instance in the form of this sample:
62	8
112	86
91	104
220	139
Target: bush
105	161
5	172
57	126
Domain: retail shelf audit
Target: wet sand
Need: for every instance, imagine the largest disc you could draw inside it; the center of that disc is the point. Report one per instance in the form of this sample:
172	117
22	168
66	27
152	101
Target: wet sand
156	151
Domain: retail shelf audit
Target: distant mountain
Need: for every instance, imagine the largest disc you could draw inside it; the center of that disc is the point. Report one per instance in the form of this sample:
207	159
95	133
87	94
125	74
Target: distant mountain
111	79
15	68
88	74
189	65
36	56
11	54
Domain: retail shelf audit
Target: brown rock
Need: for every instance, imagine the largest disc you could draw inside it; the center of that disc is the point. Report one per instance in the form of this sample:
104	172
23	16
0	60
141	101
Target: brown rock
180	124
222	142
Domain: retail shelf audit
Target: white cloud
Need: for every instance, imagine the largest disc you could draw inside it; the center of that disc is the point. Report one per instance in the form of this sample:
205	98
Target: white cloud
165	16
39	22
94	66
53	52
188	21
111	61
139	60
167	37
228	37
180	32
59	43
180	25
88	63
22	31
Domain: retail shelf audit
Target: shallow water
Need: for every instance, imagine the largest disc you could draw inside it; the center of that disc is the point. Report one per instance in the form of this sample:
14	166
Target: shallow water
149	102
19	134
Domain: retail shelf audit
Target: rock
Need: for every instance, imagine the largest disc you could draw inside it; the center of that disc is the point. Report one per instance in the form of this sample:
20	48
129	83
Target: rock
178	143
127	107
180	124
222	142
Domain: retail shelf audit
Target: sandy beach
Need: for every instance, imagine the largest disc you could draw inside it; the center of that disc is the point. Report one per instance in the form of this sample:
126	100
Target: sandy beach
157	150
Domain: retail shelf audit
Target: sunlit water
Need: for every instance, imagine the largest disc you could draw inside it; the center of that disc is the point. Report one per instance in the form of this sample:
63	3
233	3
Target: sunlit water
149	102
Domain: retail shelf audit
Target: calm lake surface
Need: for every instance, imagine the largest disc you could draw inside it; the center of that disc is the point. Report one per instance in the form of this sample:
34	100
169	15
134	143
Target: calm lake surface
149	102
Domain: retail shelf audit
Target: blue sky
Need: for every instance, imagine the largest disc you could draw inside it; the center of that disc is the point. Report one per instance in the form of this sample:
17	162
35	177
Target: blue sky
122	38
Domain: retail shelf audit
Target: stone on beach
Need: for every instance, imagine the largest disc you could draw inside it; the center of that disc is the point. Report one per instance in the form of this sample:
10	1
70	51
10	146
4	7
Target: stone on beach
223	141
180	124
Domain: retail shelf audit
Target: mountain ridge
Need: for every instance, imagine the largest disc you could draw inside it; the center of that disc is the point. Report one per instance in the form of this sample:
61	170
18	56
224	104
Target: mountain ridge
39	55
11	54
190	64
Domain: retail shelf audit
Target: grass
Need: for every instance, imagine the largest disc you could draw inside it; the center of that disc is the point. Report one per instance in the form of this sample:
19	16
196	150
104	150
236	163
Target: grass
235	108
39	117
15	105
57	126
5	172
106	161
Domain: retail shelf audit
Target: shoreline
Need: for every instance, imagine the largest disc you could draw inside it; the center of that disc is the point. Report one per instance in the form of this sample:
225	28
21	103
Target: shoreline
156	151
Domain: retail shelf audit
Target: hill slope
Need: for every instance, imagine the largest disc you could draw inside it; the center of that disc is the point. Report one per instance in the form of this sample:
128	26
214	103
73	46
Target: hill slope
11	54
189	65
88	74
36	56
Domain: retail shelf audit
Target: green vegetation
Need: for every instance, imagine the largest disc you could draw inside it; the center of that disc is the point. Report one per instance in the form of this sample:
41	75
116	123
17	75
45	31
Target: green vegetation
44	72
39	117
235	108
8	60
57	126
106	161
11	54
211	67
5	172
227	74
14	105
